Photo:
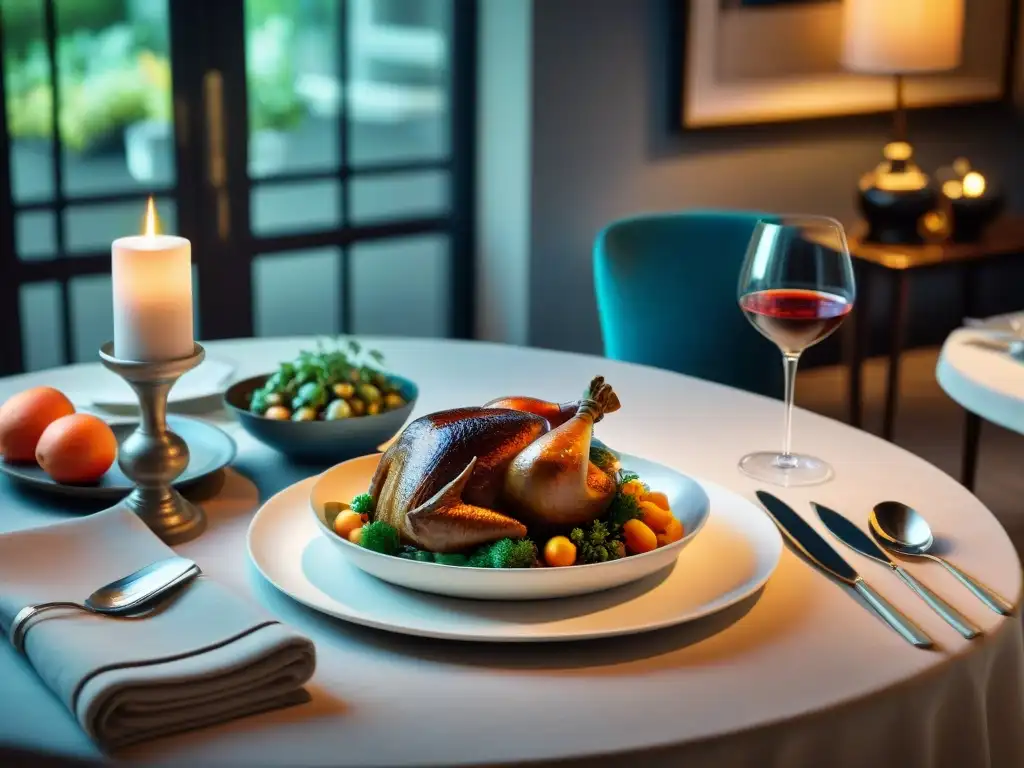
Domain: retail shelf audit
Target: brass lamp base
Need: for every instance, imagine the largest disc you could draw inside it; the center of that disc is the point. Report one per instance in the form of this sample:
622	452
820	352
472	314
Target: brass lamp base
153	456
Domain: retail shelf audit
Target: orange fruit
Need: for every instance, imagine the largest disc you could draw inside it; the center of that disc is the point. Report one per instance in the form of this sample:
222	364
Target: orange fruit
674	531
655	517
639	538
656	497
356	535
76	449
24	418
559	551
347	522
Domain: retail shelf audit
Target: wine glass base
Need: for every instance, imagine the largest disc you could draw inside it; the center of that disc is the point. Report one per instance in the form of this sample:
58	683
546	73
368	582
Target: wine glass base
768	467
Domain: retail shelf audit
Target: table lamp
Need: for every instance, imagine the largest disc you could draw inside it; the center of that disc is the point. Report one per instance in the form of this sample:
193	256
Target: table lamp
899	38
969	201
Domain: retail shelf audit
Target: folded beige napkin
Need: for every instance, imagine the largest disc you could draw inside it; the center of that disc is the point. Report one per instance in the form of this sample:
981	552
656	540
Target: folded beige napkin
204	657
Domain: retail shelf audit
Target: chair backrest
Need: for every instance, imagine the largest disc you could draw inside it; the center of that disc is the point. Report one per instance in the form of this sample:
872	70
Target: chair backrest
666	296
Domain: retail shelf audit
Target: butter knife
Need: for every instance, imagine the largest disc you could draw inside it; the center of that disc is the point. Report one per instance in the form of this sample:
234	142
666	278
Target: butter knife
856	539
824	556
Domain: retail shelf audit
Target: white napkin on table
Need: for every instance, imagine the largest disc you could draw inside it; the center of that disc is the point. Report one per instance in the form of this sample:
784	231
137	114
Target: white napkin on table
206	656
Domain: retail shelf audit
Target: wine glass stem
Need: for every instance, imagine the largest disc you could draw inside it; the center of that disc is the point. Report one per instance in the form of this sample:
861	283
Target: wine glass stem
789	363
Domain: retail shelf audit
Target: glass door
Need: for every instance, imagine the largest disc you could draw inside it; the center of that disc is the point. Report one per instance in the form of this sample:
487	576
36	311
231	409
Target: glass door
353	195
318	153
87	133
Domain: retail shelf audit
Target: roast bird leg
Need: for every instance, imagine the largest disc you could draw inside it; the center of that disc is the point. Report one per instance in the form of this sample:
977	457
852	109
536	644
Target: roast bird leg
556	414
445	523
552	481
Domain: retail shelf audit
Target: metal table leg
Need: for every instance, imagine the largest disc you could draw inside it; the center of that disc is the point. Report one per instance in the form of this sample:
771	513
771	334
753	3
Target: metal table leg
898	318
858	344
969	459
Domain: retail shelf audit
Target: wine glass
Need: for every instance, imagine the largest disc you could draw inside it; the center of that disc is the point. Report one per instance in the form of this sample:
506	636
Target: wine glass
796	287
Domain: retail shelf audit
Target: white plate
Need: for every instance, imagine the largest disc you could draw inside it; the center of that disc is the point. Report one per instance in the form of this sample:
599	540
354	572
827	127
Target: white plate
687	499
735	554
101	388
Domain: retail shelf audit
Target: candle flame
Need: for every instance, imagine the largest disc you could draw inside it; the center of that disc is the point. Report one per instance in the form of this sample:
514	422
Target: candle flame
152	225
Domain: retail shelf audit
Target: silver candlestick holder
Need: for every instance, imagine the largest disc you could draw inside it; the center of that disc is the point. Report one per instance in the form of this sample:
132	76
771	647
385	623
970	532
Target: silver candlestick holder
153	456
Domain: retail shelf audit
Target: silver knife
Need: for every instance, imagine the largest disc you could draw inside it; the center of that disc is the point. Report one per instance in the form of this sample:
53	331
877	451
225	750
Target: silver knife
821	553
856	539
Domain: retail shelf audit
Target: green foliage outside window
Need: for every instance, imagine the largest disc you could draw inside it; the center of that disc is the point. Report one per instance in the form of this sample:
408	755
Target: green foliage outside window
115	69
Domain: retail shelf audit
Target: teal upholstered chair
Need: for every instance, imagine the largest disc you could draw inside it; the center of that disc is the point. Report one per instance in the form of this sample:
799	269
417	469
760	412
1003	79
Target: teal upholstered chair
666	296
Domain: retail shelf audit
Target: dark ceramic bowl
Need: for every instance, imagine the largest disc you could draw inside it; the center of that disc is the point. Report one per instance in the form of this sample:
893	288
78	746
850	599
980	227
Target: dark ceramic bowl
320	441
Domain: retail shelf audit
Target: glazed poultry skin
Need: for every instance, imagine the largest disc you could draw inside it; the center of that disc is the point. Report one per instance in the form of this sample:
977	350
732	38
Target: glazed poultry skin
465	477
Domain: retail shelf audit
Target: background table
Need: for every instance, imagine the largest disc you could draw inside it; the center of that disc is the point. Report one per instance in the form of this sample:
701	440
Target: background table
878	262
987	382
799	675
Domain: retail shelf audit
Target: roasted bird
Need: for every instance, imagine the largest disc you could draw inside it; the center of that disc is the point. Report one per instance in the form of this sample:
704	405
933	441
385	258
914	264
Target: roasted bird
460	478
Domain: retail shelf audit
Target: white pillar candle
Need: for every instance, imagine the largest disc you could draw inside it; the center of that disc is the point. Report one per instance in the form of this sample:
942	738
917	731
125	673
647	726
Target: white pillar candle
152	286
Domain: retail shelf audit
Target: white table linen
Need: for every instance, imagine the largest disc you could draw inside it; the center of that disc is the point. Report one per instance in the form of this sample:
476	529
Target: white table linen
800	676
983	378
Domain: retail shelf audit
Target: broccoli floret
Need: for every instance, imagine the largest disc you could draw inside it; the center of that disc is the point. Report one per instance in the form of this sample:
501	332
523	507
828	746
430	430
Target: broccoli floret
504	553
363	504
598	543
515	554
381	537
480	558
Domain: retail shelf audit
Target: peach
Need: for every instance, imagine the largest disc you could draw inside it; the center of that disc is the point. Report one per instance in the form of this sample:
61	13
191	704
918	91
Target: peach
77	449
24	418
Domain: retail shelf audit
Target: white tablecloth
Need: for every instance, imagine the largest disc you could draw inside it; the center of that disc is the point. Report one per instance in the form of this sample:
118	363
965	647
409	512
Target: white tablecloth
800	676
983	379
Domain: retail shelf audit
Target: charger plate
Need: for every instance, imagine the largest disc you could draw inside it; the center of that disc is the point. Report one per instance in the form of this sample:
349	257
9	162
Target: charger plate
735	554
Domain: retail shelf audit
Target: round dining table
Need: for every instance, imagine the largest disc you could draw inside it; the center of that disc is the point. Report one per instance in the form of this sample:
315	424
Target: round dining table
799	675
984	374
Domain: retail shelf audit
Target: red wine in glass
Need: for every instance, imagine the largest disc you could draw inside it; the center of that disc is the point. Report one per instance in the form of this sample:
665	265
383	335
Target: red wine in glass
796	287
795	318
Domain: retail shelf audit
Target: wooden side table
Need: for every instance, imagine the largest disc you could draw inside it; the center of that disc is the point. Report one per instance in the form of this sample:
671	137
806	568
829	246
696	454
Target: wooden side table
895	264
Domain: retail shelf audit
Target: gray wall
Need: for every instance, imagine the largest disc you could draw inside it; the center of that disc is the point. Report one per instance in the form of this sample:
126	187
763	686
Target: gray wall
601	150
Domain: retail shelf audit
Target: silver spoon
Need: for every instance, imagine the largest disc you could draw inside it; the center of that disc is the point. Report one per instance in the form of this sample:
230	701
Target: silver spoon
123	597
902	530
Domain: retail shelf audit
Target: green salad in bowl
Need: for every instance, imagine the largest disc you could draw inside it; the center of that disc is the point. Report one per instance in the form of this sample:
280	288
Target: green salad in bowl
327	385
328	403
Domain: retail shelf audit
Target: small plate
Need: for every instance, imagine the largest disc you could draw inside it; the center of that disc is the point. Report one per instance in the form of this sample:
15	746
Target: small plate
731	560
96	386
209	448
686	497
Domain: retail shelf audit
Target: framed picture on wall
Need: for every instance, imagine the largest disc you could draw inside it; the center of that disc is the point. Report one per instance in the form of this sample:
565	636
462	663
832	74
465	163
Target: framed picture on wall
743	62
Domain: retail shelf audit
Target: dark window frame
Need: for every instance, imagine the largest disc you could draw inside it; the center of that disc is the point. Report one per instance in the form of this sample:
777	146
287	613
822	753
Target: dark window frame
221	264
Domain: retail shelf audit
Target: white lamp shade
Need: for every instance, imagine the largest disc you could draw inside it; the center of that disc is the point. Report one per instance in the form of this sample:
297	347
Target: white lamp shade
902	36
